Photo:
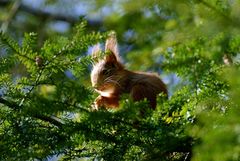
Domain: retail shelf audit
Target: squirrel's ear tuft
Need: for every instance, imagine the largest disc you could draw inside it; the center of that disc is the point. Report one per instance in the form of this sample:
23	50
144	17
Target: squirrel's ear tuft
111	46
96	51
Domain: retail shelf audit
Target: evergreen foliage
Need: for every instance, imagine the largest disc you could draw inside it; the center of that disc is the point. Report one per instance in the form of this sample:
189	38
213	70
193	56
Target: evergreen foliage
46	95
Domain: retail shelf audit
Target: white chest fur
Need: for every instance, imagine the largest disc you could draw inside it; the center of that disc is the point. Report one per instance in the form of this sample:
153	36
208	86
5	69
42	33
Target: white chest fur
106	93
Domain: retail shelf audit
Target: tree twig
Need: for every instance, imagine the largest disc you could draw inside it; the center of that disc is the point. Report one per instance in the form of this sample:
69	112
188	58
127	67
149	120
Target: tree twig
47	15
9	104
11	14
15	106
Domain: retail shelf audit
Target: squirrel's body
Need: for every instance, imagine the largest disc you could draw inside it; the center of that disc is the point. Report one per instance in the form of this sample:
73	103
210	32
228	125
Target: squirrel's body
111	80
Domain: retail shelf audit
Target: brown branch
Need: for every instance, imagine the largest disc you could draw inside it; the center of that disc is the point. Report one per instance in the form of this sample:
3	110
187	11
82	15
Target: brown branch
47	15
50	119
11	14
14	106
9	104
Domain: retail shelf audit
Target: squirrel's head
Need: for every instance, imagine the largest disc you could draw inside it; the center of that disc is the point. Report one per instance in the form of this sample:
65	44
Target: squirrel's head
105	73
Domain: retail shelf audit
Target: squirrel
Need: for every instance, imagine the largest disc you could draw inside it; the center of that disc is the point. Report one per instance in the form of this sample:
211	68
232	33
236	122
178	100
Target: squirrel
110	79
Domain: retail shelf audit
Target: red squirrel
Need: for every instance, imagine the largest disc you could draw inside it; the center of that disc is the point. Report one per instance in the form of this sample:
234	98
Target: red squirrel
110	79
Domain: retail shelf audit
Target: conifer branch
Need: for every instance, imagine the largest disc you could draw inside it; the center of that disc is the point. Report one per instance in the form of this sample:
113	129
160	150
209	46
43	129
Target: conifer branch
14	106
6	40
50	119
32	88
9	104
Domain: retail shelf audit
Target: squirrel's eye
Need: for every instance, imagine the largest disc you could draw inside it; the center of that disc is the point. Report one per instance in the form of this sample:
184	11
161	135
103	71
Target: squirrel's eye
105	72
112	65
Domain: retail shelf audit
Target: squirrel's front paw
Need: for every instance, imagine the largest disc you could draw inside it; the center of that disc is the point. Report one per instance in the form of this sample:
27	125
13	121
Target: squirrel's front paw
98	103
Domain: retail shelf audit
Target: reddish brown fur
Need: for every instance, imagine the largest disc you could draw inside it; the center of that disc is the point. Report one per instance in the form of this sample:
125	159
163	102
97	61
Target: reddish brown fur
139	85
